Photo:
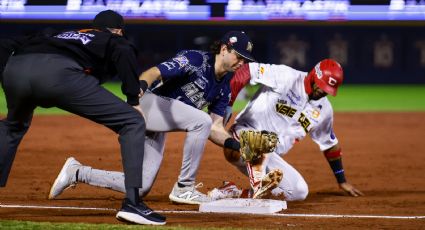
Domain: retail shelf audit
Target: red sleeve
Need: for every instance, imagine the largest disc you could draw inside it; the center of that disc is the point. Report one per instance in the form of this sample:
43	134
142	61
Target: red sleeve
240	79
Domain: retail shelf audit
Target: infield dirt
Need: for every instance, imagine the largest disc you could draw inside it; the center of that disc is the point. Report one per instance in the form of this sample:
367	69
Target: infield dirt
383	155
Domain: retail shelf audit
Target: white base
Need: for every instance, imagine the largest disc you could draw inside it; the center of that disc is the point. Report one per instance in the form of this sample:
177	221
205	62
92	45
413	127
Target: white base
238	205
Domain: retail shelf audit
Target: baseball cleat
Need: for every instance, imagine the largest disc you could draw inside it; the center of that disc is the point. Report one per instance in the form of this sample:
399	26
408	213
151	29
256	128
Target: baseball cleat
67	178
270	181
139	214
227	190
188	195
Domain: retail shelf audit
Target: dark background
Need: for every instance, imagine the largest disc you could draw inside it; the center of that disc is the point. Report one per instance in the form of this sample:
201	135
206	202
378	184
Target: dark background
158	40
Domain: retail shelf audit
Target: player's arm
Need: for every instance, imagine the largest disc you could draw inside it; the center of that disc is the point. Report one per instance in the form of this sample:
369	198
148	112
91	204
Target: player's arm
334	157
124	58
218	133
220	137
148	77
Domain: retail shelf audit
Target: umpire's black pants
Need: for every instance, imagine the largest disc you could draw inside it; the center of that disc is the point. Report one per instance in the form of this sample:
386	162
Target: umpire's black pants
49	80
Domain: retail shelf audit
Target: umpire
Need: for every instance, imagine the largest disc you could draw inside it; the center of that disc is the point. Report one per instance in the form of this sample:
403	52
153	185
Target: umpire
65	71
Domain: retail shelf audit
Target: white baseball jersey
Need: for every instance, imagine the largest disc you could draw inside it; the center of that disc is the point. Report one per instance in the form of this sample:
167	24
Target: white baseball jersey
281	105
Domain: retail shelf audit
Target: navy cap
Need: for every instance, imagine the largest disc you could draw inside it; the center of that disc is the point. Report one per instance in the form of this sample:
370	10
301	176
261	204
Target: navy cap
240	42
108	19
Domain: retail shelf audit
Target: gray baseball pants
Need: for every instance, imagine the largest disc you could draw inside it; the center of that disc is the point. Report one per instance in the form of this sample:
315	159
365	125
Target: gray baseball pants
162	115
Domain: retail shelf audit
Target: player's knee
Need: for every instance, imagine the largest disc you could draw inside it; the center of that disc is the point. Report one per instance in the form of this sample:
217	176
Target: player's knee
207	122
139	124
300	191
203	123
135	127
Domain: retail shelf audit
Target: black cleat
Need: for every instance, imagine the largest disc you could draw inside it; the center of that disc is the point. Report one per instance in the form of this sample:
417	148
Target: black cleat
139	214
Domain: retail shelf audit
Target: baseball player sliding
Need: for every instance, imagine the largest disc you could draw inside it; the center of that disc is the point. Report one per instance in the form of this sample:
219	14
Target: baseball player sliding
290	104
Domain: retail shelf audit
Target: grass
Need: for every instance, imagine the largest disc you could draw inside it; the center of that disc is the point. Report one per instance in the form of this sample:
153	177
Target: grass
113	87
385	98
361	98
381	98
75	226
13	224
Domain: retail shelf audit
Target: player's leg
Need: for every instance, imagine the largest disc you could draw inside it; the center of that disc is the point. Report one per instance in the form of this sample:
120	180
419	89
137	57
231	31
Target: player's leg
154	148
292	187
74	172
20	106
170	115
154	108
68	87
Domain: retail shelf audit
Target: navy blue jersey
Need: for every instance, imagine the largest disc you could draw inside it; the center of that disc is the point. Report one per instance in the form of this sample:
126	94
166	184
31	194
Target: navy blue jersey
190	78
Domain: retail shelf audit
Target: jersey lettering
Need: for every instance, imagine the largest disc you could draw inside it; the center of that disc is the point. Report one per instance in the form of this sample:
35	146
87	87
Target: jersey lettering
85	38
195	96
200	83
190	89
304	122
285	110
170	65
198	100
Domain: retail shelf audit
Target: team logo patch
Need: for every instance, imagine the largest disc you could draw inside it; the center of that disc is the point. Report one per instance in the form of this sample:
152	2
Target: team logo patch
318	71
261	70
332	81
249	46
315	114
233	40
181	60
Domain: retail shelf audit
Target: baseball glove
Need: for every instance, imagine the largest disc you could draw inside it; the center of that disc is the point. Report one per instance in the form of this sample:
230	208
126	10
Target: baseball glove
256	143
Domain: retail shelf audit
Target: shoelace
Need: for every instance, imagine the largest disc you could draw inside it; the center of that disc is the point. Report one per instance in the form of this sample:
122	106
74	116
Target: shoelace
195	189
199	185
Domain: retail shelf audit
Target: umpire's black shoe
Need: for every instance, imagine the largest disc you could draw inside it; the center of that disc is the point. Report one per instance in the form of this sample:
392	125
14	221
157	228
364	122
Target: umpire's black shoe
139	214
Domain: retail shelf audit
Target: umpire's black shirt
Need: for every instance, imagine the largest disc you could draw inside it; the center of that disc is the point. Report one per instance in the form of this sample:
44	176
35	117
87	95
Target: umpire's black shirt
101	54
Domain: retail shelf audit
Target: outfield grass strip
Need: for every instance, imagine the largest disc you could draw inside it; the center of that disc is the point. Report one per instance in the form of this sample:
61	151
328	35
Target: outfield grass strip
350	98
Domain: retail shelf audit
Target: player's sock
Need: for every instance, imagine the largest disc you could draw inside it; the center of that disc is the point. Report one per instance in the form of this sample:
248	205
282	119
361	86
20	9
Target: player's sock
180	185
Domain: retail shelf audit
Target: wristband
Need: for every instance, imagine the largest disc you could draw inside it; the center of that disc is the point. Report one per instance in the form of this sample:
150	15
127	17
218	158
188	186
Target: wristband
338	170
333	154
143	85
232	144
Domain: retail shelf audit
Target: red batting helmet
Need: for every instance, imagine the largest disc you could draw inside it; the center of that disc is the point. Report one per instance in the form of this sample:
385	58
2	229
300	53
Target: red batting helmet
327	75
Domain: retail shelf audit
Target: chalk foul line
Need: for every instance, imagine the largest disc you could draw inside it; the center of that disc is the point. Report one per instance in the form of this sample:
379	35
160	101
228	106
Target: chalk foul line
197	212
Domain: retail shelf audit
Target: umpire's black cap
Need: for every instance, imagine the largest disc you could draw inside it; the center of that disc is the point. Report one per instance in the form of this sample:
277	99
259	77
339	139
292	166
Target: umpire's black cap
108	19
240	42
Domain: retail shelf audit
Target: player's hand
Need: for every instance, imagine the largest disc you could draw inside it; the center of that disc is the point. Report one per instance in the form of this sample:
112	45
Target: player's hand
348	188
139	108
141	93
